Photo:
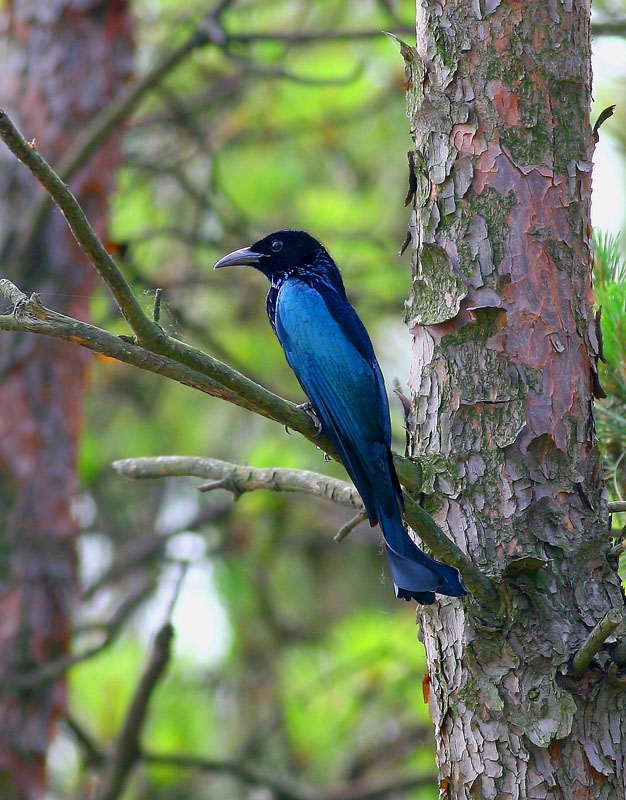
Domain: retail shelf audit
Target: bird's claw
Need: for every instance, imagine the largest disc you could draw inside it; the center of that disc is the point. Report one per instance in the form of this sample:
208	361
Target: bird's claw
308	409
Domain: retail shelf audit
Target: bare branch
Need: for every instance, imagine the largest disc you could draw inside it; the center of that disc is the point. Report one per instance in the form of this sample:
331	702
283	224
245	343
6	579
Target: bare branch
273	71
255	777
446	550
361	790
244	772
92	753
594	642
54	669
306	37
364	790
350	526
31	315
610	27
617	506
243	478
125	753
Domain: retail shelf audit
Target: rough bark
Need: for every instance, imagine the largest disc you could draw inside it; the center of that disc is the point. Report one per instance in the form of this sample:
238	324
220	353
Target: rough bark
63	60
503	377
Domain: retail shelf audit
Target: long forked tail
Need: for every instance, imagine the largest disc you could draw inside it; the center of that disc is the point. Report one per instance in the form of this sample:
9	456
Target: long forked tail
415	575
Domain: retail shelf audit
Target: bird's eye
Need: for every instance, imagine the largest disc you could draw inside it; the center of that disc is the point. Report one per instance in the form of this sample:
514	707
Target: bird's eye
276	246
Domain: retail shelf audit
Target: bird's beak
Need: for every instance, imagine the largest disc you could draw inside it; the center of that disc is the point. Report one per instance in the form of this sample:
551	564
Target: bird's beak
245	256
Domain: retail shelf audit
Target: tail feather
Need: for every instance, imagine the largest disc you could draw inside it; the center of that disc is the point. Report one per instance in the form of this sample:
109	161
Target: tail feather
415	575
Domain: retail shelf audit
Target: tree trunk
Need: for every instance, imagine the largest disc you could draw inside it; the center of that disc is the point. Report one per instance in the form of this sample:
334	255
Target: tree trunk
503	377
63	61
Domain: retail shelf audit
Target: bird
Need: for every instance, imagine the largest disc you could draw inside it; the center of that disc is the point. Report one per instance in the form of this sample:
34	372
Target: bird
329	350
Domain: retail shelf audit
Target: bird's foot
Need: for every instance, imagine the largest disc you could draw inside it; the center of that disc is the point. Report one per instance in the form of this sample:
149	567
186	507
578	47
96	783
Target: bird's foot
308	409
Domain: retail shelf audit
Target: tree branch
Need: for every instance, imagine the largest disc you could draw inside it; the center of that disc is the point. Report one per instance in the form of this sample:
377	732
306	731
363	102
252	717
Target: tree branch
145	328
54	669
29	314
446	550
253	776
610	27
350	525
125	752
244	478
209	31
361	790
594	642
305	37
240	770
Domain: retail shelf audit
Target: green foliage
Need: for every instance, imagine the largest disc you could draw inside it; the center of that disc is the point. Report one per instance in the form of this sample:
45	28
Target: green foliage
321	681
371	678
610	292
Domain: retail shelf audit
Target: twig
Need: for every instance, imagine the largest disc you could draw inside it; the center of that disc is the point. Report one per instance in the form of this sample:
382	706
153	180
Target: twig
304	37
350	526
144	551
584	656
126	752
255	777
446	550
54	669
611	27
209	31
243	771
182	574
93	754
280	72
210	486
156	311
370	791
245	478
616	506
360	790
228	484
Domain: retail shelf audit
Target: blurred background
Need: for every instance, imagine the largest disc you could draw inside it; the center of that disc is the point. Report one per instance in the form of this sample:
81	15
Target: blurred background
291	657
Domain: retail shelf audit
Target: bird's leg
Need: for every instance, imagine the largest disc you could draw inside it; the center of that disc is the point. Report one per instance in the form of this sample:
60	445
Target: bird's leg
308	409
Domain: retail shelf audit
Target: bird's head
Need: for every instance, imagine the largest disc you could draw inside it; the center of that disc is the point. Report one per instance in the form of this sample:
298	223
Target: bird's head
286	254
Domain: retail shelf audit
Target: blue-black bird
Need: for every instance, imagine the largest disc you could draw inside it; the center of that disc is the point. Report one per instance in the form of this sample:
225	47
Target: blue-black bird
332	356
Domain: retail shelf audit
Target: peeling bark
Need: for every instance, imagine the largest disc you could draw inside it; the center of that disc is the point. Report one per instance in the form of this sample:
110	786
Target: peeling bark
503	378
63	60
